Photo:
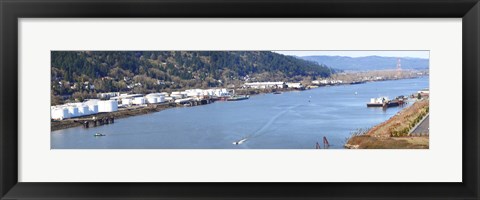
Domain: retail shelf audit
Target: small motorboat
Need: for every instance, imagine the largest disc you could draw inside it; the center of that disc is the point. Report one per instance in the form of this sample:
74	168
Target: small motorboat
277	92
240	141
99	134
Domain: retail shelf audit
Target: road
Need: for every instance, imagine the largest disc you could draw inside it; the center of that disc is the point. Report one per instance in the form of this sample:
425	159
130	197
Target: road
423	128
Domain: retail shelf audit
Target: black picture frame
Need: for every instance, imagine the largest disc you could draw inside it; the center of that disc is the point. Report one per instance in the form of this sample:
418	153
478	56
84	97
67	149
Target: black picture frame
12	10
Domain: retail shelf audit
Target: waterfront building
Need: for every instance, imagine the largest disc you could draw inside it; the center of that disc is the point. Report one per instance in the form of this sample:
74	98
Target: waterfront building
195	92
126	96
265	85
294	85
107	95
321	82
178	95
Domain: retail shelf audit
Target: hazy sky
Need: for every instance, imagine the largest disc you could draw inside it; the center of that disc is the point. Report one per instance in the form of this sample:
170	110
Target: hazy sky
413	54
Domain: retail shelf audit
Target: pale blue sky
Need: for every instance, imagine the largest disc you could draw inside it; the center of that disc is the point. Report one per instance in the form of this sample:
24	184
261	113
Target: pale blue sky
413	54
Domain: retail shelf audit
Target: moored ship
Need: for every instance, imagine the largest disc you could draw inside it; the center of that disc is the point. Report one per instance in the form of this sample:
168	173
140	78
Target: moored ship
238	97
385	102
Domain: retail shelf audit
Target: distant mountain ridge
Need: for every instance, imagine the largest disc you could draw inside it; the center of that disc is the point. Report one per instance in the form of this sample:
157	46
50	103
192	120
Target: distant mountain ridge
369	62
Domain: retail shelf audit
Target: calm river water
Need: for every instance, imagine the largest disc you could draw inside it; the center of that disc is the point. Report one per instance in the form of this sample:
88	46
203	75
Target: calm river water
291	120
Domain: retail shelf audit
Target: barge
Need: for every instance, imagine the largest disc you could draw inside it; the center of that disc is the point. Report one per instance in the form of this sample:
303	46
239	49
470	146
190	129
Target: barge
384	102
238	98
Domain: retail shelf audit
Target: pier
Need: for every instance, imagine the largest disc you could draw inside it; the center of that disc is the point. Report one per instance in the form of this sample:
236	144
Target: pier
94	122
193	102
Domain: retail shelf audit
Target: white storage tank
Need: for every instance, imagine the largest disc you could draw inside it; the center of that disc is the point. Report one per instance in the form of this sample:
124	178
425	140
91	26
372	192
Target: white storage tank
64	113
161	99
127	101
83	110
169	98
73	111
154	95
152	99
107	106
139	101
93	108
114	105
59	113
176	96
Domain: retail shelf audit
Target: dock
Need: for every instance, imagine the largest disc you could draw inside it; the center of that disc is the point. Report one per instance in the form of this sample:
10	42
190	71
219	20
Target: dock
94	122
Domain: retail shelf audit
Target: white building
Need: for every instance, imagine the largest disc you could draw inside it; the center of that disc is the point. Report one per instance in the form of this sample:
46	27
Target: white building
294	85
178	95
126	96
108	95
265	85
195	93
325	81
336	81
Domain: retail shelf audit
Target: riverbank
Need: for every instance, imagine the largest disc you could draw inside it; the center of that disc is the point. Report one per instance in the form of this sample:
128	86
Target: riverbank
141	110
395	132
122	113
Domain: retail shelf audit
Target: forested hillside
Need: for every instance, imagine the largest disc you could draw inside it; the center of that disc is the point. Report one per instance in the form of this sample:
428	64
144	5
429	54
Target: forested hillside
88	72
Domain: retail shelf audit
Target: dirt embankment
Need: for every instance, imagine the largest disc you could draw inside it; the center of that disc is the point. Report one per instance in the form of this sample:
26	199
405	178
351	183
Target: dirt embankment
394	133
122	113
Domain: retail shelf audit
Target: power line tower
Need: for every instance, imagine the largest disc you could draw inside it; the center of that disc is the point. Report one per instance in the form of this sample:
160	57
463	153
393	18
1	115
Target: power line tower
399	67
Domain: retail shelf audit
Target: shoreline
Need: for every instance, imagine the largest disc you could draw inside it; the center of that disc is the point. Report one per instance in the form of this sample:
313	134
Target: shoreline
124	113
130	112
394	133
150	108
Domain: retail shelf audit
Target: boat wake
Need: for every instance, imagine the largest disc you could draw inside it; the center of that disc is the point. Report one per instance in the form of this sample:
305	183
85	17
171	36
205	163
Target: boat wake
261	130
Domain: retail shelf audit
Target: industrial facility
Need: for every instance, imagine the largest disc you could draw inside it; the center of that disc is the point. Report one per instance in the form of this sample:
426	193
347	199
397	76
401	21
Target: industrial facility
90	107
117	100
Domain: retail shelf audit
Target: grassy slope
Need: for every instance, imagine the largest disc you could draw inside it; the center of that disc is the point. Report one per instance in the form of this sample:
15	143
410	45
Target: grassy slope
393	133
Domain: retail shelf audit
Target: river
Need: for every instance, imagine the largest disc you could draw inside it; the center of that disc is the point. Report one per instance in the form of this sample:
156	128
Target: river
291	120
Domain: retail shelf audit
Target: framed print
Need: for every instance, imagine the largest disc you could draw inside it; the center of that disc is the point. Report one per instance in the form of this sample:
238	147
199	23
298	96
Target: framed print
251	100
